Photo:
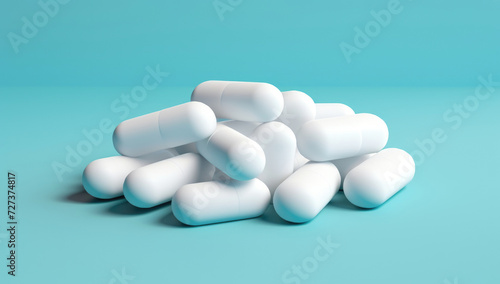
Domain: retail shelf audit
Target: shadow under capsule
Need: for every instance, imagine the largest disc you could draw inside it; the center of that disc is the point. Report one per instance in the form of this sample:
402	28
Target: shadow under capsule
170	220
124	208
79	195
341	201
270	216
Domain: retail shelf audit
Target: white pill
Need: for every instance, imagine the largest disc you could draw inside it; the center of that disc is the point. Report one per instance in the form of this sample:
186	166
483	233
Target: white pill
299	160
342	137
279	145
244	127
347	164
306	192
157	183
247	101
380	177
164	129
103	178
299	108
214	202
332	110
233	153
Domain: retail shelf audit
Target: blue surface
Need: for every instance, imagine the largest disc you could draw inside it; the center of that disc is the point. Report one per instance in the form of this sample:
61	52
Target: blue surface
442	226
78	70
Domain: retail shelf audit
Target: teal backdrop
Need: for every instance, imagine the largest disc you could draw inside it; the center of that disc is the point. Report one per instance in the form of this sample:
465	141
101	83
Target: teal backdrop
72	70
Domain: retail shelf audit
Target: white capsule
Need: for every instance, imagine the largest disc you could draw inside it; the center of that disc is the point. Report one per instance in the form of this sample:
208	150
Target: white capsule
103	178
347	164
233	153
306	192
332	110
164	129
247	101
279	145
157	183
342	137
213	202
299	108
299	160
244	127
380	177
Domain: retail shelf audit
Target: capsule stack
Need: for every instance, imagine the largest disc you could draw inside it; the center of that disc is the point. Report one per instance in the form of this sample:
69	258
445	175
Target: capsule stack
238	147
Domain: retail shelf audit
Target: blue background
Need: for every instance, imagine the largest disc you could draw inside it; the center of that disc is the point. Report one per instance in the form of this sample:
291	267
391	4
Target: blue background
442	228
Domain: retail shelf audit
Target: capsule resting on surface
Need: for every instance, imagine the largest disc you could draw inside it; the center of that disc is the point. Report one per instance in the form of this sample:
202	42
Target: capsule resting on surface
377	179
306	192
103	178
214	202
157	183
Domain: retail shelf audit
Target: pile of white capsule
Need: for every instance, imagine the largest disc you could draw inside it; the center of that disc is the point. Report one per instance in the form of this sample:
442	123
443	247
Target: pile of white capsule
237	147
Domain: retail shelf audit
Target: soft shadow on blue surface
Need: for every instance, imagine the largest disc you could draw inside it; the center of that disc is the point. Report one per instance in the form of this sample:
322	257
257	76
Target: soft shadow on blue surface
340	201
170	221
79	195
270	216
126	209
